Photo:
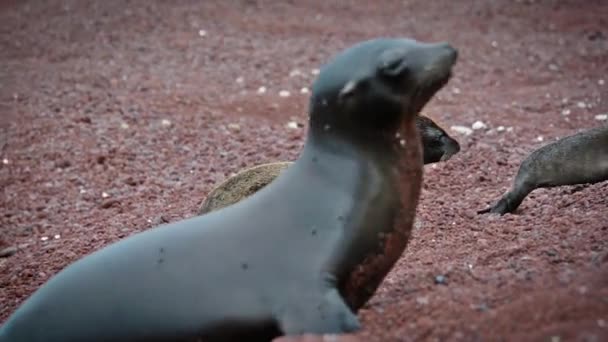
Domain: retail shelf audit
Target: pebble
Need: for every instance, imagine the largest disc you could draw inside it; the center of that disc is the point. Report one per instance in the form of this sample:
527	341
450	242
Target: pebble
295	72
202	33
57	236
440	280
44	238
422	300
315	71
553	67
500	128
261	90
240	80
8	251
462	130
566	112
494	43
104	195
304	90
581	105
5	161
165	122
283	93
456	90
601	82
234	127
292	125
540	138
478	125
124	125
601	117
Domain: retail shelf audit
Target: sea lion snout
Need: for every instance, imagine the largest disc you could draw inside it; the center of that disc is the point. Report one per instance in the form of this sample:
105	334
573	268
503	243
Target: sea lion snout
451	147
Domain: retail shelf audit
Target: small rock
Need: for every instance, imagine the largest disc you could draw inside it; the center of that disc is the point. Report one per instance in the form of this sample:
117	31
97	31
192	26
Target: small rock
5	161
494	44
601	117
304	90
314	71
44	238
124	125
165	122
441	280
553	67
422	300
295	72
540	138
57	236
240	80
566	112
292	125
110	203
601	323
104	195
8	251
456	91
202	33
555	339
500	128
581	105
601	82
509	129
261	90
478	125
462	130
234	127
284	93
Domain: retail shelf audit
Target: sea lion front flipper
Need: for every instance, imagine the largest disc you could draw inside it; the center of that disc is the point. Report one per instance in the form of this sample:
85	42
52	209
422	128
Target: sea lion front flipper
323	313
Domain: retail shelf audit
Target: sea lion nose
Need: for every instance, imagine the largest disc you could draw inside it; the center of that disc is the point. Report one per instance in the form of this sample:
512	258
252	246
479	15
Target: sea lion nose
450	52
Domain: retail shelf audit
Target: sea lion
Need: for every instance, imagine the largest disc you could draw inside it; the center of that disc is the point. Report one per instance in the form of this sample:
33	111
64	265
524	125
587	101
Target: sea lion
297	257
437	145
580	158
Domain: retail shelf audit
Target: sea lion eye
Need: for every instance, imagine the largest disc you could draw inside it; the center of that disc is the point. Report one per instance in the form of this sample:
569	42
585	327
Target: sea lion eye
393	62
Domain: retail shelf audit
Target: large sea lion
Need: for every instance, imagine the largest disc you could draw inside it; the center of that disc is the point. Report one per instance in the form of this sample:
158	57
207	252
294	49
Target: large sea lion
437	145
580	158
297	257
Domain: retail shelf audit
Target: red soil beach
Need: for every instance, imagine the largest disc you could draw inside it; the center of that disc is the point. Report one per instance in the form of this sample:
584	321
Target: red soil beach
117	116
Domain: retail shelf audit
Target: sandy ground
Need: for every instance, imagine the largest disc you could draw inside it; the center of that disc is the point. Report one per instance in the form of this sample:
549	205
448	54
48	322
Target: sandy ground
117	116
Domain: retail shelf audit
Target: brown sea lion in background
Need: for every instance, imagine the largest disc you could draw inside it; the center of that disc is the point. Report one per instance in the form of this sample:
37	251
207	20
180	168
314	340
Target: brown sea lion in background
580	158
437	146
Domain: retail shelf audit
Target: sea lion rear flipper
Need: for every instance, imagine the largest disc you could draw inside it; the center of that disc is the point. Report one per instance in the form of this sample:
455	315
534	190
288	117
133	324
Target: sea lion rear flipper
323	313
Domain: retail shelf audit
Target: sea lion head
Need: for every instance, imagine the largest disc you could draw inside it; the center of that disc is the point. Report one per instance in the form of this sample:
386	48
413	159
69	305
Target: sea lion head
438	144
373	85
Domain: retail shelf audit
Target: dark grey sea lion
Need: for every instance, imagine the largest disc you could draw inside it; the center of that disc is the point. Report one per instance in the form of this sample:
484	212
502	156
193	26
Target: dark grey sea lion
299	256
437	145
580	158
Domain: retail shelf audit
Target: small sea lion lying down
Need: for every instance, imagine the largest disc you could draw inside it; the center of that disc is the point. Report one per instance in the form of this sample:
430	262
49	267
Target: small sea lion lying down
437	146
581	158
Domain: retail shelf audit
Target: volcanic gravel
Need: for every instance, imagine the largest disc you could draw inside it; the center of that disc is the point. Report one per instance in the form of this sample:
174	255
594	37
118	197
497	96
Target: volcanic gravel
117	116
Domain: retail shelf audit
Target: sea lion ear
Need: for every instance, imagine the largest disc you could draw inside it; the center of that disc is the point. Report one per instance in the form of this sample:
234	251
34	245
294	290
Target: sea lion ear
393	62
348	91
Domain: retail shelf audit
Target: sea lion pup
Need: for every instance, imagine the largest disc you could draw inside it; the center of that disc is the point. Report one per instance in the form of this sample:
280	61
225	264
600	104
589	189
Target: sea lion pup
580	158
437	146
296	257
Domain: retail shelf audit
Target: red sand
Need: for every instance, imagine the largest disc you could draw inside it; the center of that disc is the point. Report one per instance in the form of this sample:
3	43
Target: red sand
86	85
